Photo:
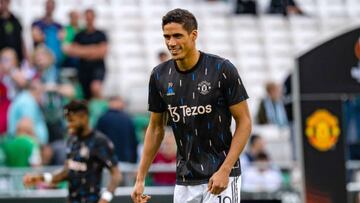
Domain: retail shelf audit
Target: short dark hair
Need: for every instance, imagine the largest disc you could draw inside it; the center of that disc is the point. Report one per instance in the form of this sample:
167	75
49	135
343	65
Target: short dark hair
76	106
91	10
181	16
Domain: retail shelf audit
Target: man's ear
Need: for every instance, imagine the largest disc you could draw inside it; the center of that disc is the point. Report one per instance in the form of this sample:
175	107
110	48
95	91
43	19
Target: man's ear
194	35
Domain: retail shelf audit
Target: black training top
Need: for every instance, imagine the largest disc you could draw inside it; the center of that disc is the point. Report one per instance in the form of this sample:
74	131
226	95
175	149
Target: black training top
93	38
86	158
198	103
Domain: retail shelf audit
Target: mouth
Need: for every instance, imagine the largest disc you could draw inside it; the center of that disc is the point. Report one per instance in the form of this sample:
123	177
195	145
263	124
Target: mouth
175	51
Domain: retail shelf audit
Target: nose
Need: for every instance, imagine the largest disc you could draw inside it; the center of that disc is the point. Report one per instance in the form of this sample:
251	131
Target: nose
171	42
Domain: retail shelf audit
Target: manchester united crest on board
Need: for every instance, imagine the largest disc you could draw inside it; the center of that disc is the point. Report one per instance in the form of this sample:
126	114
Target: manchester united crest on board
322	130
204	87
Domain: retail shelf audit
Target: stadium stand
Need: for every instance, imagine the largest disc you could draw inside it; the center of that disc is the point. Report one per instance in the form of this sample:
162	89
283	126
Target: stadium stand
263	47
134	29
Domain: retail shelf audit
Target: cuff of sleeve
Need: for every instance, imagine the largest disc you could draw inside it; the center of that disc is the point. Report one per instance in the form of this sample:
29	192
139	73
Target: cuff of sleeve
240	99
48	177
106	195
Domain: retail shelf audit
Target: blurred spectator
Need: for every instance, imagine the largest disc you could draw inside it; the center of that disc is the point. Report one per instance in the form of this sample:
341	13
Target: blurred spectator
98	105
246	7
54	94
285	7
44	60
256	145
22	150
166	155
271	110
262	176
27	104
4	106
118	126
47	31
10	74
46	72
90	45
72	28
70	31
11	31
163	56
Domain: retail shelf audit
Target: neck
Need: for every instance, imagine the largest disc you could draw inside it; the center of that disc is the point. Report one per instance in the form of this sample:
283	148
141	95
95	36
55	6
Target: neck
48	18
189	61
90	28
86	131
5	14
75	25
274	99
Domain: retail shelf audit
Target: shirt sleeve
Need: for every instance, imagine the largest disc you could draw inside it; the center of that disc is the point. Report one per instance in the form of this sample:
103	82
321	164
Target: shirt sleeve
156	102
105	153
233	88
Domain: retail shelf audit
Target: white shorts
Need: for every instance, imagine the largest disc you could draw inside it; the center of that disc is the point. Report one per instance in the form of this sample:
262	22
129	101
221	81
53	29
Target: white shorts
200	194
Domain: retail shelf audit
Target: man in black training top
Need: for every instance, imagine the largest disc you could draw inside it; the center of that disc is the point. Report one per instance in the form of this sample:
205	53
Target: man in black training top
201	93
88	152
90	46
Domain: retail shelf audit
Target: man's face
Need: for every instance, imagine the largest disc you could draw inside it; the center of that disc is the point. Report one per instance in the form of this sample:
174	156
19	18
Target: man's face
259	145
89	17
275	93
4	5
76	123
178	40
74	17
7	61
42	59
50	7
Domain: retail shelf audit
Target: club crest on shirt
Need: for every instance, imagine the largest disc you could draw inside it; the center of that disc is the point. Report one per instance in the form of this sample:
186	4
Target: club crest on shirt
204	87
170	89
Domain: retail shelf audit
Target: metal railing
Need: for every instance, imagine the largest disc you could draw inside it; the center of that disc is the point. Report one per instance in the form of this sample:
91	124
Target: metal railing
11	185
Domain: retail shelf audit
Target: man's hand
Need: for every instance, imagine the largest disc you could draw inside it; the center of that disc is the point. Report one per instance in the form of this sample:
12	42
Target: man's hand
31	180
218	182
102	201
137	195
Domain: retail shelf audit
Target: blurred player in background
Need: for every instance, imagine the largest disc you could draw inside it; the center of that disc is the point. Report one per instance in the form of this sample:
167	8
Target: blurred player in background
201	93
88	152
